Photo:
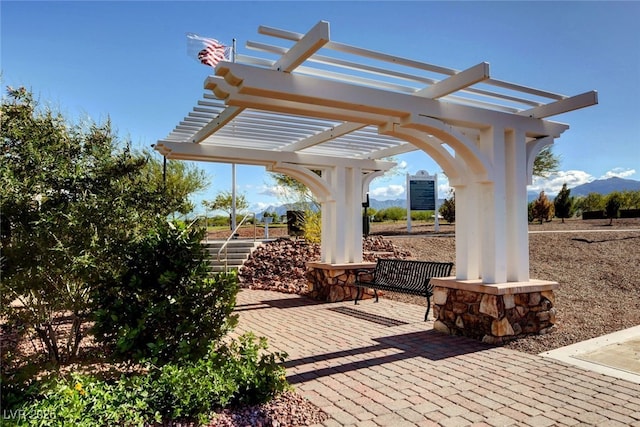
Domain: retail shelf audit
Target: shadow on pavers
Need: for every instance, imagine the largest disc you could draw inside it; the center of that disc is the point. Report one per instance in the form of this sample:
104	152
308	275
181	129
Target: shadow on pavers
428	344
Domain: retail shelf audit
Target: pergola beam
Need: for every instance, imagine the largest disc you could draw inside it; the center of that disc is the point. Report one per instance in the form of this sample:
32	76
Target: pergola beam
315	94
317	37
565	105
456	82
262	157
213	126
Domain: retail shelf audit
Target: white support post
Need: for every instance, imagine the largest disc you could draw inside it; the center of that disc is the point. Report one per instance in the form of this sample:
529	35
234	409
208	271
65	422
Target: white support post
517	224
339	213
326	247
436	221
493	210
468	245
462	233
233	197
408	203
353	238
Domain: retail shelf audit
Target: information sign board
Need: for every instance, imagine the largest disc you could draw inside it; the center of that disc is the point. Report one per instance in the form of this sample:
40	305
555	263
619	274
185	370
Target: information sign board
422	195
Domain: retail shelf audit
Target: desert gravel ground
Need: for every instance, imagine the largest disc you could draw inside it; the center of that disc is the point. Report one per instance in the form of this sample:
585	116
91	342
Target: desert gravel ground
596	265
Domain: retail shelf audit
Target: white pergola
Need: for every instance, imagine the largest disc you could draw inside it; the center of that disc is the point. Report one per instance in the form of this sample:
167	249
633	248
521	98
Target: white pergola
327	106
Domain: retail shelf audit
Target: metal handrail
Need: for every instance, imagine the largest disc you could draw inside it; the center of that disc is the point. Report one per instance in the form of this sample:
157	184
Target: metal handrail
196	219
233	233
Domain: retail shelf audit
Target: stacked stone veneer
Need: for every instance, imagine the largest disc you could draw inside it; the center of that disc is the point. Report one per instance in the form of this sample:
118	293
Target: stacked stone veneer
334	282
494	314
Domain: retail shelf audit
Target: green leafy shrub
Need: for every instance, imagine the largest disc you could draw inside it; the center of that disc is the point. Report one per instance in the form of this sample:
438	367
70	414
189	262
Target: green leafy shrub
72	196
240	372
422	215
165	307
393	213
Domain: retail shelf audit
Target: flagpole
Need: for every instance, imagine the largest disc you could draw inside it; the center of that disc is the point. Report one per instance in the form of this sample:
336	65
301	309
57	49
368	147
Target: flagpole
233	51
233	197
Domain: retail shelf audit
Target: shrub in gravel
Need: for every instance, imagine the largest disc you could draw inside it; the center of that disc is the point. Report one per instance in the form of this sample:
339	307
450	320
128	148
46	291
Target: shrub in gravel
239	372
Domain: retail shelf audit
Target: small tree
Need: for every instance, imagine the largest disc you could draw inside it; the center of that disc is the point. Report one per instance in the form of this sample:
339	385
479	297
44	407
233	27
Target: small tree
563	203
224	202
542	208
591	202
448	208
299	197
612	207
630	199
296	193
545	163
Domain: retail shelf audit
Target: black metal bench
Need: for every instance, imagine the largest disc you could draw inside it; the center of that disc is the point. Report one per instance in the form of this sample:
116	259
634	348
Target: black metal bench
402	275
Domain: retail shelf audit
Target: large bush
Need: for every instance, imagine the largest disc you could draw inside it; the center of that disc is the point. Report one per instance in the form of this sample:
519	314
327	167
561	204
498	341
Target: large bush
165	306
393	213
72	198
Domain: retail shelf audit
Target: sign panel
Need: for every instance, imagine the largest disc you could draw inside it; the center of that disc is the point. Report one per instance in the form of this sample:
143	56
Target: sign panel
422	195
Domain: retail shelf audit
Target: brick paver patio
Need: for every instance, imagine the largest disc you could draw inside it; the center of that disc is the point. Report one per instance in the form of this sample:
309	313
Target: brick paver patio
381	365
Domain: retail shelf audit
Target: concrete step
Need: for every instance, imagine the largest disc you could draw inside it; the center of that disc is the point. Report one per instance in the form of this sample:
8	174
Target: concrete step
232	256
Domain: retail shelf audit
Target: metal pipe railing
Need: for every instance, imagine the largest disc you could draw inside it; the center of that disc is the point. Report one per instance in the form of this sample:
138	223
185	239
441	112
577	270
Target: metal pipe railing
233	233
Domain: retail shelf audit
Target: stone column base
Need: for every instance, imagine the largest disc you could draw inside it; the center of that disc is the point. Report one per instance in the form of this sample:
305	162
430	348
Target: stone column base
334	282
493	313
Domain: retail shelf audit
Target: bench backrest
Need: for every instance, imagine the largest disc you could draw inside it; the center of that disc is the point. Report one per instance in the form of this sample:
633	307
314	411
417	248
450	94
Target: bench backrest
409	274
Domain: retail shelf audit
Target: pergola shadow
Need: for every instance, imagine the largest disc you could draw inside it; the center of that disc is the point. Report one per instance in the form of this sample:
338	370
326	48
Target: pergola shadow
428	344
294	302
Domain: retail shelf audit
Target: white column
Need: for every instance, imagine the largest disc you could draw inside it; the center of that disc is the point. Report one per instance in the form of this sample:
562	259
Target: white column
492	197
339	214
326	250
353	199
467	232
517	223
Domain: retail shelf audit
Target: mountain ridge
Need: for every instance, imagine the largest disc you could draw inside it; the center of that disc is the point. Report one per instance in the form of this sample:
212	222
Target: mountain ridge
601	186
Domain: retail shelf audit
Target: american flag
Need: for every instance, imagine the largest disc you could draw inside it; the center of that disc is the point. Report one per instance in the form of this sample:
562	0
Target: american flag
206	50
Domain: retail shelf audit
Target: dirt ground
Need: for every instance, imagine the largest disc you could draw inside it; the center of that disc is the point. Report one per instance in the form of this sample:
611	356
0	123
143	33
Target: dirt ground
595	264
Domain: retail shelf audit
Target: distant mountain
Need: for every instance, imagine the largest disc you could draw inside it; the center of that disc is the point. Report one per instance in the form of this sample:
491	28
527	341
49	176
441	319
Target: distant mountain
600	186
281	210
373	203
384	204
606	186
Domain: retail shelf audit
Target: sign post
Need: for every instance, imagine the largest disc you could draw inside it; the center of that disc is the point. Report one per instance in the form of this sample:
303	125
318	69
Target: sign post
422	195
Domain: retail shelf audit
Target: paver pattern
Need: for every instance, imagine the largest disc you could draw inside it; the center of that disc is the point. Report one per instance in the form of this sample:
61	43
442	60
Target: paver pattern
383	366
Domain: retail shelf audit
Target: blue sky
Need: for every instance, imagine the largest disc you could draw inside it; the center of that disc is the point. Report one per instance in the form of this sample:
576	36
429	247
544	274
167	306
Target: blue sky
128	61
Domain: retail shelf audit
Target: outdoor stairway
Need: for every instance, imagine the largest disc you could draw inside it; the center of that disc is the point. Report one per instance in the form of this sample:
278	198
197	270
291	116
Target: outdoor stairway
237	252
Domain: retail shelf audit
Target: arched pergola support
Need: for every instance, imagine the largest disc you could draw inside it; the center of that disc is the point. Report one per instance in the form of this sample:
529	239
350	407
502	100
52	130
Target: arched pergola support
340	188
